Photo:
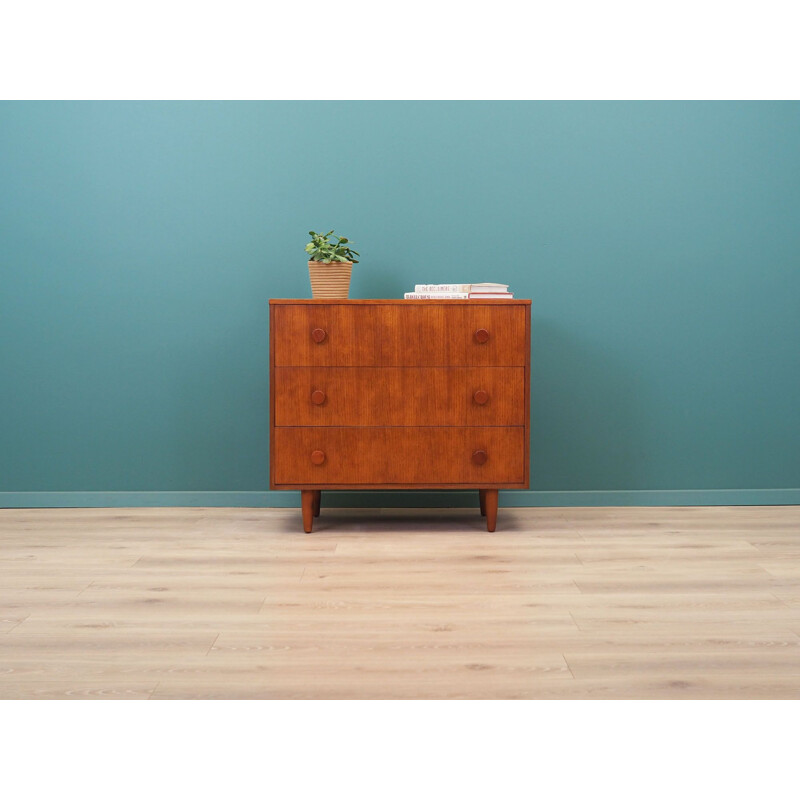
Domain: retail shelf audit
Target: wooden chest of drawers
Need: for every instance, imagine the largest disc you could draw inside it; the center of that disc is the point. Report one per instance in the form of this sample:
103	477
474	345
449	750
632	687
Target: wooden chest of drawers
399	394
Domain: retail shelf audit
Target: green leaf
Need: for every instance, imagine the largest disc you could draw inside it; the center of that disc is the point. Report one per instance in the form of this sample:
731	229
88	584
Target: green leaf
321	249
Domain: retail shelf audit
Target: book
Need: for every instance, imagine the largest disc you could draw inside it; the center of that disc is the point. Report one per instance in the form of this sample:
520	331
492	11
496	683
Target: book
489	287
436	295
458	296
429	288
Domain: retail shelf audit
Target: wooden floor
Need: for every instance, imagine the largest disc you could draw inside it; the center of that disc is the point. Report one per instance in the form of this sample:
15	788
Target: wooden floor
557	603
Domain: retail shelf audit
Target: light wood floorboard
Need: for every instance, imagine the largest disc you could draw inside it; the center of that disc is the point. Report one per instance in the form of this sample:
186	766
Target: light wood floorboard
592	603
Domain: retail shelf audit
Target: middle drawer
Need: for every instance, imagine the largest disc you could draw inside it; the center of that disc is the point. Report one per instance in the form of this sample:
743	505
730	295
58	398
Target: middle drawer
368	396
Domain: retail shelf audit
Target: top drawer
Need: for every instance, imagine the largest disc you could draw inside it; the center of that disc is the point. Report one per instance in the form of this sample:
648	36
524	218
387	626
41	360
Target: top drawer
399	334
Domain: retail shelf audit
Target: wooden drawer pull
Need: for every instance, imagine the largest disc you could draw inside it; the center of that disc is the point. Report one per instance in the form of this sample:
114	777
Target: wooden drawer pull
480	457
317	457
318	397
481	336
318	335
481	397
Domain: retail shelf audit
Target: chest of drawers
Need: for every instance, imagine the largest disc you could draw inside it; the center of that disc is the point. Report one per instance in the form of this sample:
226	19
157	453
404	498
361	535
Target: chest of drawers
399	394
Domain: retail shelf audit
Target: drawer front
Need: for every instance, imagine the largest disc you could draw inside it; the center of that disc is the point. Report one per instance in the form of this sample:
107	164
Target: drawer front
367	456
399	396
494	395
496	335
399	335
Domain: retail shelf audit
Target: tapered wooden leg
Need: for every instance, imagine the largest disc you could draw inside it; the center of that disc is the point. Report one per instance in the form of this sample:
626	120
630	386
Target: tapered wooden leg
317	498
482	496
307	502
490	499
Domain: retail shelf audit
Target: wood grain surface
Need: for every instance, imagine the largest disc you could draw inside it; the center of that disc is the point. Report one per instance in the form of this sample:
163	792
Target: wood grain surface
391	334
399	396
387	456
565	603
358	389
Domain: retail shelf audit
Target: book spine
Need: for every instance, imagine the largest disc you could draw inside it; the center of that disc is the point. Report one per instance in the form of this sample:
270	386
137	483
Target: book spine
436	295
429	288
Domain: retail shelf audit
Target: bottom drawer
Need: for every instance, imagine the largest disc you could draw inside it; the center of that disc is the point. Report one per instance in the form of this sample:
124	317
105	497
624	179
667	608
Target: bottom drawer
408	456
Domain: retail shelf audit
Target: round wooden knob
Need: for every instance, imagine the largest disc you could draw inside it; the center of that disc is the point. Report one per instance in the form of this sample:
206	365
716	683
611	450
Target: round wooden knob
318	397
318	335
480	457
317	457
481	336
481	397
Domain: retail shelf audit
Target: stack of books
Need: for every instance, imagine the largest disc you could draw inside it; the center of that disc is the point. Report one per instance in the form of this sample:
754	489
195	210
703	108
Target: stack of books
459	291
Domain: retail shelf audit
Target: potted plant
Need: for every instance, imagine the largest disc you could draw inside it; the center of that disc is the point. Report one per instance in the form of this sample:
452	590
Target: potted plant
330	264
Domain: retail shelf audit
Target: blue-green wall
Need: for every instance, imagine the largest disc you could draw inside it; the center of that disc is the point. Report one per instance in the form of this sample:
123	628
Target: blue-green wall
139	243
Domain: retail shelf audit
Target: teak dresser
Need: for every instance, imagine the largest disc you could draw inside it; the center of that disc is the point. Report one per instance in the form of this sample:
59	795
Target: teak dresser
399	394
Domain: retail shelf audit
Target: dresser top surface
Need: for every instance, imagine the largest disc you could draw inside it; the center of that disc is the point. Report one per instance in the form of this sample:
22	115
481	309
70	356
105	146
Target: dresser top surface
395	301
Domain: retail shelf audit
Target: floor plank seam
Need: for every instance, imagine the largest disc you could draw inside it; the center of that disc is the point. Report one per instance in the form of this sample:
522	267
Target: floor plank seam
568	666
16	625
574	621
84	589
211	646
781	600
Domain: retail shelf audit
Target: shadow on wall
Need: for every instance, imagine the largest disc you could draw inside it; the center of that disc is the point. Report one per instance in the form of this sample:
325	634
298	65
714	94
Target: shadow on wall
588	411
587	425
587	414
587	420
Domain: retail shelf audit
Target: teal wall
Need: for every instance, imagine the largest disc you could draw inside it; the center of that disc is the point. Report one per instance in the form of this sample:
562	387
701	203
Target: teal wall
139	243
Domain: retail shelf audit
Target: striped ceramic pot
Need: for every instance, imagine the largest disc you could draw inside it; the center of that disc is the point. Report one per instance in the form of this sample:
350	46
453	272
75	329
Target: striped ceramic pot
330	280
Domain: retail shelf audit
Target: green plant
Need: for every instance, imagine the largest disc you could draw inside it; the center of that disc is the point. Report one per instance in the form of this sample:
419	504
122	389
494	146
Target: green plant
321	249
